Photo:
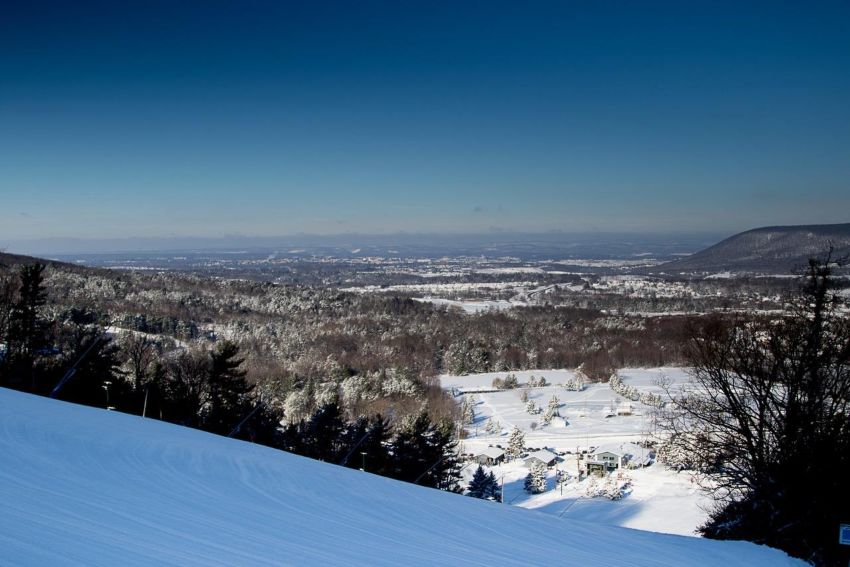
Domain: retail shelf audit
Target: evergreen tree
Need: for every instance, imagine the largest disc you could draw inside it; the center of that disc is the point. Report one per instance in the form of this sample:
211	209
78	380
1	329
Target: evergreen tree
292	439
478	485
563	478
8	287
424	453
323	435
535	481
372	452
25	330
484	485
493	490
413	448
448	468
528	483
467	413
516	443
261	426
97	379
551	410
352	436
228	392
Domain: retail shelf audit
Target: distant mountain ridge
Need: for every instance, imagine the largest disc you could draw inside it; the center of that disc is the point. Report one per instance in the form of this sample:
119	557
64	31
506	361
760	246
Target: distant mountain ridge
7	259
771	249
11	262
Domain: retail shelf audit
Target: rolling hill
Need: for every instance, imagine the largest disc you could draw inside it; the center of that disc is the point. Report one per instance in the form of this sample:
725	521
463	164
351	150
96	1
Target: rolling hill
81	485
773	249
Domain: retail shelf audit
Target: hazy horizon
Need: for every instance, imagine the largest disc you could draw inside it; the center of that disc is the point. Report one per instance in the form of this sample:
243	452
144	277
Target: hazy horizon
71	246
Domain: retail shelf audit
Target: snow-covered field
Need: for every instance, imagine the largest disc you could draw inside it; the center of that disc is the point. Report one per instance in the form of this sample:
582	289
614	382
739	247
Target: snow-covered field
471	306
660	499
587	412
89	487
474	297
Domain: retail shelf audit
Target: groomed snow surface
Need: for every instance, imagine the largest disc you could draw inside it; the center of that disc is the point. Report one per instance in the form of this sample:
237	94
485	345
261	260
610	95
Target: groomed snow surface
85	486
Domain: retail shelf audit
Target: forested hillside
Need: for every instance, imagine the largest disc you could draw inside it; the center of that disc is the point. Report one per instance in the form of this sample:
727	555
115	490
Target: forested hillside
303	346
773	249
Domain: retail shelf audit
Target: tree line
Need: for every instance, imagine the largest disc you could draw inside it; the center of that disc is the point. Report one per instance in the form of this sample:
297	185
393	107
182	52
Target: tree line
72	359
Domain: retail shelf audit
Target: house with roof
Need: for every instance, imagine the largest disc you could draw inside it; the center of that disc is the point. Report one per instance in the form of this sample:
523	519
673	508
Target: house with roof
490	456
608	458
544	456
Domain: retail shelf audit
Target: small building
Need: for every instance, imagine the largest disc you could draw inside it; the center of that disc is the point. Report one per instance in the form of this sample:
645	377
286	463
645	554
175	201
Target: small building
544	456
490	456
601	462
609	458
625	408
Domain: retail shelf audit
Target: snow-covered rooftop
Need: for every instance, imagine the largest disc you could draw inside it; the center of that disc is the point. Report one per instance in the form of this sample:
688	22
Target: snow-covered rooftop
544	455
631	451
491	452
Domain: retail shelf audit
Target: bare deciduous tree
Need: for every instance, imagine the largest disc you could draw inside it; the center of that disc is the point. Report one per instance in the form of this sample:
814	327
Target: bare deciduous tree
141	353
767	420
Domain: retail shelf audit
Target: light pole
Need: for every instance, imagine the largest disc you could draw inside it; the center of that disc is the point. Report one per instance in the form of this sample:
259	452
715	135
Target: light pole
106	384
578	461
363	457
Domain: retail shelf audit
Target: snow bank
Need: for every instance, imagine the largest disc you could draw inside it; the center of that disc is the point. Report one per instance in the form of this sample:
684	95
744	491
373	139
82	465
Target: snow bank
84	486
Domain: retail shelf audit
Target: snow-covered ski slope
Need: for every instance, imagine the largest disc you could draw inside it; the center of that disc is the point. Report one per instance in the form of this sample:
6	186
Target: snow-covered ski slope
89	487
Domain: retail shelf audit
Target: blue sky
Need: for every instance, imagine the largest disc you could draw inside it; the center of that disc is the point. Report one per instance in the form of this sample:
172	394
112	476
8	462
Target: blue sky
268	118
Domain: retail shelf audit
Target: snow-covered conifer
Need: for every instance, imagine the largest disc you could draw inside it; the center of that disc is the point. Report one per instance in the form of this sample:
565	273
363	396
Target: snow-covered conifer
516	443
467	414
535	482
575	384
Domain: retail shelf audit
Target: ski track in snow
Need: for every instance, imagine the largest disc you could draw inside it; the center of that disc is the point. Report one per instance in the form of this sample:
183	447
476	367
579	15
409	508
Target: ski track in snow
83	486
